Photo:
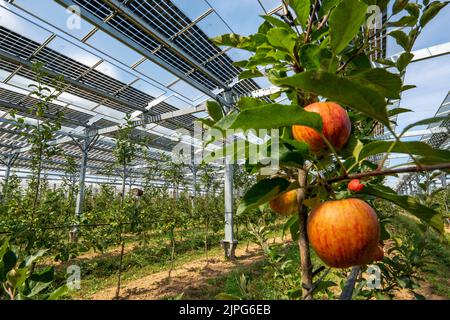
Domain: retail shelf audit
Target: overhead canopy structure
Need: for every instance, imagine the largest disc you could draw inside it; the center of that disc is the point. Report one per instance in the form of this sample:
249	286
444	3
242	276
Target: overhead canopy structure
175	70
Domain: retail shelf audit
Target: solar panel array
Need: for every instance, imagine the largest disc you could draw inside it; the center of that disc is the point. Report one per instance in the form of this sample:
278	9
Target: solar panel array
99	88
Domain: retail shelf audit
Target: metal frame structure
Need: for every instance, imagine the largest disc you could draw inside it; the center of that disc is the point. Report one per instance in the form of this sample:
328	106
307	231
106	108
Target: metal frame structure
159	33
168	42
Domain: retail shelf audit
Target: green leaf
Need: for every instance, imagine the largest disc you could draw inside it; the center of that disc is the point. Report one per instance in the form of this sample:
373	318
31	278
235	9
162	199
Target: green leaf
19	277
348	92
357	150
406	21
403	61
409	203
383	81
226	121
301	9
45	275
251	73
424	122
297	145
38	288
227	296
313	56
30	259
250	43
9	261
431	11
58	293
408	87
399	5
327	6
271	116
230	40
292	224
263	191
240	64
276	22
214	110
291	158
282	39
250	102
401	38
206	121
413	9
384	234
258	60
345	22
396	111
386	62
427	153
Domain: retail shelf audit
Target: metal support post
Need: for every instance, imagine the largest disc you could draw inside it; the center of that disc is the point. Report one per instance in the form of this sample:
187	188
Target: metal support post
194	182
229	244
86	145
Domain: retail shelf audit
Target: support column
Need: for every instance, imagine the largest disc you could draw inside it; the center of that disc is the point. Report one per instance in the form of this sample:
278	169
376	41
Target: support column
229	244
194	181
87	143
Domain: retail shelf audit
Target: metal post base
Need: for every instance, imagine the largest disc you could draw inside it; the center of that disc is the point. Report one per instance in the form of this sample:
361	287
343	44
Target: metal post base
229	247
73	235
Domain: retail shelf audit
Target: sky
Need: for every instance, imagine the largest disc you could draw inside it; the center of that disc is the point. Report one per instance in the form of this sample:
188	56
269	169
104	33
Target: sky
241	16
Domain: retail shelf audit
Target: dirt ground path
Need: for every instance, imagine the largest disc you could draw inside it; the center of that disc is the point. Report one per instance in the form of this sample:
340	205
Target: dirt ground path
192	278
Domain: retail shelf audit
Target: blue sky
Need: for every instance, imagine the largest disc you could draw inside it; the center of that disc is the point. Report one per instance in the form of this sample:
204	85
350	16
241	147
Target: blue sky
242	16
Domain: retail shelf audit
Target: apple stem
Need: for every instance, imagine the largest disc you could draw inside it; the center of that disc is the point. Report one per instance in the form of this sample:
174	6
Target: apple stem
303	242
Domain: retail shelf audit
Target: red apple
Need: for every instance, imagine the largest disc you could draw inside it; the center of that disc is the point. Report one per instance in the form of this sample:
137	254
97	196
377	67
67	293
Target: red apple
286	203
355	185
344	233
336	127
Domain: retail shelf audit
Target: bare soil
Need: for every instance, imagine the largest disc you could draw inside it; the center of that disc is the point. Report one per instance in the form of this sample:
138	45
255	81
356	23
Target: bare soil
192	279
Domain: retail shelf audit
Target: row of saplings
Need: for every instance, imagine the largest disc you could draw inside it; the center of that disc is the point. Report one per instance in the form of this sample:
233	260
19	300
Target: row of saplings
346	232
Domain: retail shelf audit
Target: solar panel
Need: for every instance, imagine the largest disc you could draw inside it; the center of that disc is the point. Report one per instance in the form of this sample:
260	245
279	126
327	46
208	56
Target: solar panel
164	17
15	44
